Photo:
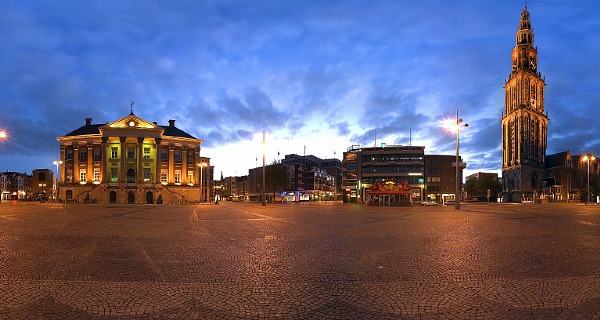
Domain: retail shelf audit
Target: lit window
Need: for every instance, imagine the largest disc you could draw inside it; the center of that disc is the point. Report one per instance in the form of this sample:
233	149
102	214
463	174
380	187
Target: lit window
163	176
114	175
114	152
96	174
177	176
82	175
190	177
146	153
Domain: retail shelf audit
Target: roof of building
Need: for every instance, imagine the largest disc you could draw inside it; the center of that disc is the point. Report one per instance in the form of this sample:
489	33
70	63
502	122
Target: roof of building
171	131
556	159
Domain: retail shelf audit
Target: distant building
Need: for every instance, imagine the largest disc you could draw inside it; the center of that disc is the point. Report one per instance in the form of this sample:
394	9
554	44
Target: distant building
320	179
362	167
131	160
483	195
15	185
440	178
42	184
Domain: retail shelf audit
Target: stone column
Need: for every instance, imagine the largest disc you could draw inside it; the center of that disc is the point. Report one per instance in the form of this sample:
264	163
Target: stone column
184	179
104	174
171	165
123	173
62	165
75	163
90	164
140	160
158	160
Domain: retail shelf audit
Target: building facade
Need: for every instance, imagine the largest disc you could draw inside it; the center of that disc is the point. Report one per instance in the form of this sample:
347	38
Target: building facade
524	121
440	178
131	160
363	167
15	186
42	185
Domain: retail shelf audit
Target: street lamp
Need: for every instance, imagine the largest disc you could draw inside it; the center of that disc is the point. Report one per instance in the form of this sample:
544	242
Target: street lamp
201	165
264	199
3	135
57	180
455	126
588	158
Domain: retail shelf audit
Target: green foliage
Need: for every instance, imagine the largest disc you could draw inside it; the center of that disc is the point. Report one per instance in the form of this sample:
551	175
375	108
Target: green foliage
477	188
276	177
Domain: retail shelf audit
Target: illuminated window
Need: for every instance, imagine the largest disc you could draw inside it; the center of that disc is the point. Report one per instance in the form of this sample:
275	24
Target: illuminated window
114	152
82	175
96	174
146	153
190	176
146	174
163	176
177	176
114	175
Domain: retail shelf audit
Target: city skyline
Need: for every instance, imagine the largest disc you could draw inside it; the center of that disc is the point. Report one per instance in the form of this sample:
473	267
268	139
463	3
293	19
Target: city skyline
315	76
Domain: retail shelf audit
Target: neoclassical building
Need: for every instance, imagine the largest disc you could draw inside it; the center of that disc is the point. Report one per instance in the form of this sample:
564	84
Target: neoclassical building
524	121
131	160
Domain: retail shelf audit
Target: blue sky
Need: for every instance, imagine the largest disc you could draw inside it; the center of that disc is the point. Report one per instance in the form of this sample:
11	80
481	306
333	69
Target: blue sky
320	74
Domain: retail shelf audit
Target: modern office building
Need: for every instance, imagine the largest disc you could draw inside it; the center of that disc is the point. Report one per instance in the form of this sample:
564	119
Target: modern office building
362	167
440	178
132	160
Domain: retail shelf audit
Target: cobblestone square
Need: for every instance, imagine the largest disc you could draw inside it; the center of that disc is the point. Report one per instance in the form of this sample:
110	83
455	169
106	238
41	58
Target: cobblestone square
299	261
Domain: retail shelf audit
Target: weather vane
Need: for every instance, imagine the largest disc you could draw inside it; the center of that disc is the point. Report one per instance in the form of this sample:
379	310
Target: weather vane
131	106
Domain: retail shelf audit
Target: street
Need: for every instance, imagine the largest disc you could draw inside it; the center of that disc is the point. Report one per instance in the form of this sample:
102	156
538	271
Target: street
299	261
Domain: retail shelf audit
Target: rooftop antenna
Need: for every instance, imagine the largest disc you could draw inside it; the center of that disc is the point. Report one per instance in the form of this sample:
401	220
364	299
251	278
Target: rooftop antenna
375	145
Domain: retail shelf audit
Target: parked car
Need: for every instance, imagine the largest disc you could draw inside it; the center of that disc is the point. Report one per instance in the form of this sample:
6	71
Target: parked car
428	203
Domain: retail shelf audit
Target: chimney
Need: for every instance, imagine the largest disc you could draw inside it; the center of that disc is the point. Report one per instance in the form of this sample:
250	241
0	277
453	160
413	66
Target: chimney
88	121
171	123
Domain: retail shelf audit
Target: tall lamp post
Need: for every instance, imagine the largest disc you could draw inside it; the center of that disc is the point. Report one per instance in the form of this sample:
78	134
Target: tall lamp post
3	135
264	195
201	165
455	126
57	163
588	158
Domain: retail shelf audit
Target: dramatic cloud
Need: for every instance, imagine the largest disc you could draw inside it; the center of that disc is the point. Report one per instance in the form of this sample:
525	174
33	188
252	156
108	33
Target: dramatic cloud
314	76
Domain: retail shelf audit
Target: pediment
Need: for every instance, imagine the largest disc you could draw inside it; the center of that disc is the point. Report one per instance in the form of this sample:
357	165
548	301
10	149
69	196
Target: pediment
130	126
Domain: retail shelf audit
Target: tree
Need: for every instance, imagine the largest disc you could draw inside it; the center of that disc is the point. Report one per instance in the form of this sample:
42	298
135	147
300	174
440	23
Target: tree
478	188
276	178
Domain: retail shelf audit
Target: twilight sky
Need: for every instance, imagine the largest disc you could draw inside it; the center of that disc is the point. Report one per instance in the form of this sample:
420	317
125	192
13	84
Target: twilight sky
320	74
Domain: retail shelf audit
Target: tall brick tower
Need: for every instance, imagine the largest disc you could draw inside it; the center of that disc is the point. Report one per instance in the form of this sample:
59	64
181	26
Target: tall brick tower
524	124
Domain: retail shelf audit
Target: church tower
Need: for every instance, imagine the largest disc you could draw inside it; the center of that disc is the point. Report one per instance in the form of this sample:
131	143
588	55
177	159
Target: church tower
524	124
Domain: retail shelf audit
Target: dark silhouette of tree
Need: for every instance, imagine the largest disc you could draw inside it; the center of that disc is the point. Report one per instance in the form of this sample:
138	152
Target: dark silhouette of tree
276	178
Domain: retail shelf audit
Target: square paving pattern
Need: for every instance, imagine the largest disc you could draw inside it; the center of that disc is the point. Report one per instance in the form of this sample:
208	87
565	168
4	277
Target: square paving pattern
299	261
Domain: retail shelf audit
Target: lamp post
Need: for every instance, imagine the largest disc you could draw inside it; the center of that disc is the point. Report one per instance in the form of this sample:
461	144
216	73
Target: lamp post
264	199
455	126
201	165
588	158
3	135
56	186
